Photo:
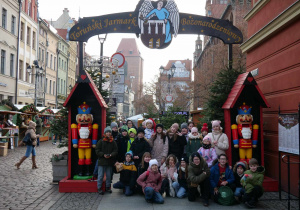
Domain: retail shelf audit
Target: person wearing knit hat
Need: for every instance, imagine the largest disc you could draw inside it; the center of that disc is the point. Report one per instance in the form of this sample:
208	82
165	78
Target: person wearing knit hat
180	185
198	175
238	172
149	131
176	141
219	139
159	126
128	175
194	142
122	142
114	128
204	130
184	126
151	181
132	135
139	146
107	151
207	152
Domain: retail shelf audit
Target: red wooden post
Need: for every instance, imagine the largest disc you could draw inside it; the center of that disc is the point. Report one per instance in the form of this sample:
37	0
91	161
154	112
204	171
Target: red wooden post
261	136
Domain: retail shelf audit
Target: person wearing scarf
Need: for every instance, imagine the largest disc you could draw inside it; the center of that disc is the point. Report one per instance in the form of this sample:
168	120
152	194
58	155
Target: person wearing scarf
107	151
194	142
219	139
207	152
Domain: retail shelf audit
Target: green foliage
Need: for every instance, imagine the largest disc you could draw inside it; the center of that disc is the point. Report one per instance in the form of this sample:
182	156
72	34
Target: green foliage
59	125
169	118
218	94
151	112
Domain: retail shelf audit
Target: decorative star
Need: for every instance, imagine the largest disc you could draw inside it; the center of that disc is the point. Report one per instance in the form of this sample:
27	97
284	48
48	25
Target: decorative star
190	16
202	31
212	20
78	28
228	39
115	29
129	27
183	29
130	15
93	20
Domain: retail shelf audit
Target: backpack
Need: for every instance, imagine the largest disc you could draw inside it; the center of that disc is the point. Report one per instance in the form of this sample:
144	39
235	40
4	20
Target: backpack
226	197
27	139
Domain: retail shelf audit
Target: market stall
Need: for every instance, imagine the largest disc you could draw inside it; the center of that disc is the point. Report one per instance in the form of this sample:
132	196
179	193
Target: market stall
45	114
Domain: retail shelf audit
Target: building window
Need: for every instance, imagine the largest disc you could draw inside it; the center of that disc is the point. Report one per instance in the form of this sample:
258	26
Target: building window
64	86
46	91
3	55
63	48
20	70
53	88
10	99
29	8
11	65
54	63
130	52
4	16
13	24
27	74
62	64
58	81
28	36
39	53
47	57
43	55
51	57
33	40
65	65
50	87
241	2
61	86
32	76
59	62
209	12
248	2
22	31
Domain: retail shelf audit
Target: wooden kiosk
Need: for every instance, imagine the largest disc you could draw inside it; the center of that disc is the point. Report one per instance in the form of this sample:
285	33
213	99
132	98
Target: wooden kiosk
84	90
45	114
246	90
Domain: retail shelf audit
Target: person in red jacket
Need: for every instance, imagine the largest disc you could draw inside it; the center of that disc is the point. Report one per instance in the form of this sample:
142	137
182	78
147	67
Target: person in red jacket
151	181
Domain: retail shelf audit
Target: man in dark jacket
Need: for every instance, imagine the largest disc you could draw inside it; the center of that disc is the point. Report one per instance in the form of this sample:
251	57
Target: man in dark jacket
177	143
122	142
107	151
221	175
139	146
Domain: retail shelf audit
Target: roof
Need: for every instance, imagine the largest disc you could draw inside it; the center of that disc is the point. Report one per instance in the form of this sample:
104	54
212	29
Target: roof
245	79
188	64
63	33
128	47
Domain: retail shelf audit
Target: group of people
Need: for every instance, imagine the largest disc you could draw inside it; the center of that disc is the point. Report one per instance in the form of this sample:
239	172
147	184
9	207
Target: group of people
175	162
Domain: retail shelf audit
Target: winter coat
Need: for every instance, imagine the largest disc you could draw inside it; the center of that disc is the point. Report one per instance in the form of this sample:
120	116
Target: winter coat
193	144
182	181
160	148
167	172
104	148
138	148
209	155
129	174
115	135
237	179
148	133
222	144
122	142
142	170
153	180
38	126
256	180
195	172
31	130
215	176
176	145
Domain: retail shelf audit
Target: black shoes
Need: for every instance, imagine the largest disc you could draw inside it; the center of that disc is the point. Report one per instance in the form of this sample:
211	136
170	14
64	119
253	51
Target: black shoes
205	202
100	192
108	189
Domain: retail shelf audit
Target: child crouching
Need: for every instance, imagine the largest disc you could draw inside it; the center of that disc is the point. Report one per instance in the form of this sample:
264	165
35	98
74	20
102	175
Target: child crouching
252	181
238	172
150	181
127	175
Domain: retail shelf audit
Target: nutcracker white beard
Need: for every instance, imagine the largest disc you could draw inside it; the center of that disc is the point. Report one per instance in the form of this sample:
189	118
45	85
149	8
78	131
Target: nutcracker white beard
84	132
246	133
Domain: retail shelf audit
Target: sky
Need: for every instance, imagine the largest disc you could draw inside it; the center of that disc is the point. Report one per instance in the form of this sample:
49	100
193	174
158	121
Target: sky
181	48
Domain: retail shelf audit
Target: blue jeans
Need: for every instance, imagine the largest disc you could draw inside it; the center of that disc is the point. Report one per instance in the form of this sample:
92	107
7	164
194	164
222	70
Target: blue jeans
56	136
108	172
30	149
120	185
152	195
239	191
180	191
95	173
38	141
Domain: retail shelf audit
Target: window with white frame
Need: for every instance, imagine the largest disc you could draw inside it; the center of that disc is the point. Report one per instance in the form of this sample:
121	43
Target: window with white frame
13	24
11	64
3	58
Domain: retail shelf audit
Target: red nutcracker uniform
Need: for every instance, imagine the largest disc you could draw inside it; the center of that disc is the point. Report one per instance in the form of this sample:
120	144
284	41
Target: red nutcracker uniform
86	130
244	134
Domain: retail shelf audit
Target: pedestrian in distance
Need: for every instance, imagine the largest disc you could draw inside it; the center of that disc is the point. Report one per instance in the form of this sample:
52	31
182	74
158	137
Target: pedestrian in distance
30	146
107	151
198	175
159	144
219	139
151	181
252	182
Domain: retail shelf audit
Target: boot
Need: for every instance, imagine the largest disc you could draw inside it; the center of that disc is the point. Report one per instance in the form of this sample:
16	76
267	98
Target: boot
108	189
87	173
80	170
34	163
20	162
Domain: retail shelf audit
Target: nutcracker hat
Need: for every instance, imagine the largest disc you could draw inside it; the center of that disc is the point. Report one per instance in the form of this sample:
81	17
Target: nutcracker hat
244	109
84	109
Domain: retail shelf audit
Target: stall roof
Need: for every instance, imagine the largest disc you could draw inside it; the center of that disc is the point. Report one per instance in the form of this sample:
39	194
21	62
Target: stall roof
10	112
136	117
55	110
40	108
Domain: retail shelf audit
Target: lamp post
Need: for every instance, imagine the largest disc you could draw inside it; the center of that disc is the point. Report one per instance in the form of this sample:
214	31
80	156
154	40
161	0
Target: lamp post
170	75
101	40
39	71
161	71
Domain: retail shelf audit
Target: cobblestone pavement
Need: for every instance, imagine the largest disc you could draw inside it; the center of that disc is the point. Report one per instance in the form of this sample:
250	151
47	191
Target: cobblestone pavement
33	189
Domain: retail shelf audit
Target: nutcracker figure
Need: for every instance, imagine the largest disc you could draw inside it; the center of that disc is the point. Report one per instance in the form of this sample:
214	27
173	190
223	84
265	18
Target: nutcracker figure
84	118
244	134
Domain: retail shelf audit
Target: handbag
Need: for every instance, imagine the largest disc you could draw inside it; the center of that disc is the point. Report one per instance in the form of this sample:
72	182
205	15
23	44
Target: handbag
27	139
